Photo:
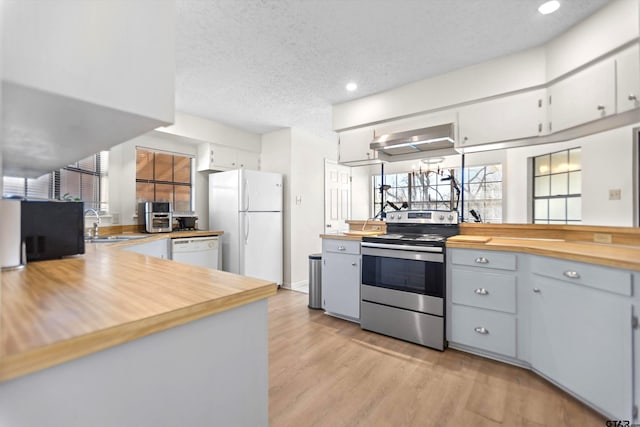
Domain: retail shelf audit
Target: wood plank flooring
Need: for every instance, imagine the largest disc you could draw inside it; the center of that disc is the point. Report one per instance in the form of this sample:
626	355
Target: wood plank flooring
328	372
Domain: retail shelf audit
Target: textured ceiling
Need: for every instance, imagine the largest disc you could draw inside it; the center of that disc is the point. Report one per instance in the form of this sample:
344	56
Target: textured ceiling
261	65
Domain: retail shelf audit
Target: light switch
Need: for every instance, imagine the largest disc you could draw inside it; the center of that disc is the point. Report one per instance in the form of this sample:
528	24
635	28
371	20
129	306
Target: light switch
615	194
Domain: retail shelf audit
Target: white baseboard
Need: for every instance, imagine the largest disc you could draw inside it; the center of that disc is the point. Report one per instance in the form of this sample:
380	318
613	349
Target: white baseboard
302	284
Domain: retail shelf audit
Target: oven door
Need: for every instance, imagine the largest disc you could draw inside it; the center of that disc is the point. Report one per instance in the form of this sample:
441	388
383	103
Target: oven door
416	269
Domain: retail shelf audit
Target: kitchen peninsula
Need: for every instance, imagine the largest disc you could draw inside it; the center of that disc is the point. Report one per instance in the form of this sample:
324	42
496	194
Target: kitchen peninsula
118	338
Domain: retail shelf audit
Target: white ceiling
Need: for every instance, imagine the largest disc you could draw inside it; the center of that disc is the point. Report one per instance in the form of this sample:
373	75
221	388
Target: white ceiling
262	65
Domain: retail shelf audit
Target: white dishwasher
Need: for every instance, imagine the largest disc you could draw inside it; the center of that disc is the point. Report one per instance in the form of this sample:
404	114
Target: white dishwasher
201	251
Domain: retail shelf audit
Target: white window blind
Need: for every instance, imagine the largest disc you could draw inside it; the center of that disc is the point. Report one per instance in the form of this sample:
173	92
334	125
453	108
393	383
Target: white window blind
30	188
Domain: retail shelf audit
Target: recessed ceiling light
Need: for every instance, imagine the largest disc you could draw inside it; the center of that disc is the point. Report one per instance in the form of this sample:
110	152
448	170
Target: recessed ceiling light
549	7
351	86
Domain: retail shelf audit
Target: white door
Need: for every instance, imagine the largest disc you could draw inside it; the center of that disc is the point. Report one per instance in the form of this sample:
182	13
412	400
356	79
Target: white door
262	246
260	191
337	196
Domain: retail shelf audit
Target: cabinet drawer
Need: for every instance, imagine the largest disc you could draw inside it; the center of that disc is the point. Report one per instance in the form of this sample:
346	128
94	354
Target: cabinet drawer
484	259
494	291
341	246
604	278
484	329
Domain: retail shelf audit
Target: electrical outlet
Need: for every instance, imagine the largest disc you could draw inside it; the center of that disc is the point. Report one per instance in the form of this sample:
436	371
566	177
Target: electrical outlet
615	194
602	238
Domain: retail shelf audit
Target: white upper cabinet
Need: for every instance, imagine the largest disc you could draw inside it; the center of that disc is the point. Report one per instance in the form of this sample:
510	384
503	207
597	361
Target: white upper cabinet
588	95
628	79
222	158
354	148
80	77
502	119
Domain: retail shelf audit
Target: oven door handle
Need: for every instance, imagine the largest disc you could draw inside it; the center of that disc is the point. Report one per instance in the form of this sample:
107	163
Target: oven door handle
435	249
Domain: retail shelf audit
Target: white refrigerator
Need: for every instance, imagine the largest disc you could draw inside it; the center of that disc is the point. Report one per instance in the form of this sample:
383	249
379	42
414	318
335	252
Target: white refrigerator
247	206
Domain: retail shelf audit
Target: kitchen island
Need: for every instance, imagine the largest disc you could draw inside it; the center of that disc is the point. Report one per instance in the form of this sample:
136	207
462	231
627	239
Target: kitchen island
118	338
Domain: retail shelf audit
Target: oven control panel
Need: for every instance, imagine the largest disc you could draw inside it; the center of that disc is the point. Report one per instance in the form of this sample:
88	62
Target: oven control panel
423	217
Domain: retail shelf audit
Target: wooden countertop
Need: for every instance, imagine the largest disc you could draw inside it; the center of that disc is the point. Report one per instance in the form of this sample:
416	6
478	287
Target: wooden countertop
56	311
341	236
619	256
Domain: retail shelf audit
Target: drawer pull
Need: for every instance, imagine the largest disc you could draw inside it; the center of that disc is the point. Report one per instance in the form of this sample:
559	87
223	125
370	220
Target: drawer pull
481	291
481	330
342	248
536	290
354	264
482	260
571	274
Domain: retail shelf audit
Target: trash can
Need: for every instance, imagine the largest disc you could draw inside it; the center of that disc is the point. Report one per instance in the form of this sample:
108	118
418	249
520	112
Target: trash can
315	281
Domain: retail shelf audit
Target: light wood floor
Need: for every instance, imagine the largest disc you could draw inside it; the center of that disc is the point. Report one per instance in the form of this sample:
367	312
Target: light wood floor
328	372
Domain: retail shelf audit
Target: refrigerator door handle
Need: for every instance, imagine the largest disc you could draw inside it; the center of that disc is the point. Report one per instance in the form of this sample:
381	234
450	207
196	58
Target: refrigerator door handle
245	199
246	228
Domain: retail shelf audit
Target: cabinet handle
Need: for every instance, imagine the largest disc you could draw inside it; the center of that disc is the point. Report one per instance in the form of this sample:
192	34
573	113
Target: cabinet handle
600	107
632	97
481	330
354	264
341	248
536	290
481	291
572	274
482	260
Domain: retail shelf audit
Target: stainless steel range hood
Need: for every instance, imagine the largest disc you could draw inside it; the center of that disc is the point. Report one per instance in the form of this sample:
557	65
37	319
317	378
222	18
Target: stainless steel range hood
415	143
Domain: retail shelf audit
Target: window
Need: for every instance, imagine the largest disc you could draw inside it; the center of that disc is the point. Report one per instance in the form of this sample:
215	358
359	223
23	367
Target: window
428	191
84	180
557	188
164	177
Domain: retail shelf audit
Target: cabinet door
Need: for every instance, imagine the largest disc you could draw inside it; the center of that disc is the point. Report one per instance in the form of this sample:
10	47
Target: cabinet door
628	79
248	160
354	146
223	157
157	248
506	118
586	96
581	338
341	284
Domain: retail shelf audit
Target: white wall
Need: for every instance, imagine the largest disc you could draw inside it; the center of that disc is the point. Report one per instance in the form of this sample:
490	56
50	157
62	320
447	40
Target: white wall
606	164
308	153
202	129
614	25
276	157
506	74
299	156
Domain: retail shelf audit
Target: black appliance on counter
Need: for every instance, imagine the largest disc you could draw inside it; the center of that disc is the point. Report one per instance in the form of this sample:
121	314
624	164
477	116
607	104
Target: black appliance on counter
403	277
51	229
185	221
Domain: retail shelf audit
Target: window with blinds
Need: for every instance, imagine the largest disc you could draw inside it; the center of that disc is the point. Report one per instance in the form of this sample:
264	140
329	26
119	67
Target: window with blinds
85	180
164	177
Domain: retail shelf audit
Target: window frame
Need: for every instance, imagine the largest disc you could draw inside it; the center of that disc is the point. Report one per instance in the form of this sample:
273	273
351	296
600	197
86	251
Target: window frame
172	182
549	197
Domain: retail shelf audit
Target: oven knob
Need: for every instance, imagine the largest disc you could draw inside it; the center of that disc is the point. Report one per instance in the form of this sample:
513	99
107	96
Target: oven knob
450	217
392	216
441	217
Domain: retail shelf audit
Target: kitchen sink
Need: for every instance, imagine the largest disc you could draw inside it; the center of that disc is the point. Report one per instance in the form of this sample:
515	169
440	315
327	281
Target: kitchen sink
113	239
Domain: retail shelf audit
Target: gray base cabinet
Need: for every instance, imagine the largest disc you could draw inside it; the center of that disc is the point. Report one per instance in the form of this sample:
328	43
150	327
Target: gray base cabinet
569	321
341	278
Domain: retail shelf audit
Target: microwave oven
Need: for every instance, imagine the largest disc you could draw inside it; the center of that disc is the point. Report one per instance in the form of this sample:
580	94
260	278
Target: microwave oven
156	217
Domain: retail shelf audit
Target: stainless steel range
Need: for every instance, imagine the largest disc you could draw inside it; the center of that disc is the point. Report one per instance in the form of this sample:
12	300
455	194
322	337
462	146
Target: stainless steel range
403	277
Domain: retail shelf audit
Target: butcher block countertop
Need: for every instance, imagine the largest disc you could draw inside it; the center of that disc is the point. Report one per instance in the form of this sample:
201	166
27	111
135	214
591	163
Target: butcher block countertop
611	255
57	311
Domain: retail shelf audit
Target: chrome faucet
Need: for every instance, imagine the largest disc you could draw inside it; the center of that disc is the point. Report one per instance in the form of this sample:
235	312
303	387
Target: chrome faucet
94	234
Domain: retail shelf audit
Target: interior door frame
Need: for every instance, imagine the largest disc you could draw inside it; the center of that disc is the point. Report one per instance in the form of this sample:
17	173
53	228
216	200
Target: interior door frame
636	176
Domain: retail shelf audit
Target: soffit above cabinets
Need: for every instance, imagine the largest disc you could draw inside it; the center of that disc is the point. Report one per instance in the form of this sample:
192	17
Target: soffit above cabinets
42	131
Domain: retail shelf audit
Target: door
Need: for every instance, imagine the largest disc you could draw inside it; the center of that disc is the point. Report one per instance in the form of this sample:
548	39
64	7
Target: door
260	191
337	196
261	245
